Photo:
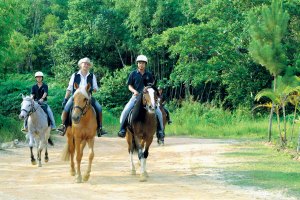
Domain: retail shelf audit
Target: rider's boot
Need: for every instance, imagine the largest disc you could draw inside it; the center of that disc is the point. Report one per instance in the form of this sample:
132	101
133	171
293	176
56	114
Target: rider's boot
100	131
122	132
62	128
160	134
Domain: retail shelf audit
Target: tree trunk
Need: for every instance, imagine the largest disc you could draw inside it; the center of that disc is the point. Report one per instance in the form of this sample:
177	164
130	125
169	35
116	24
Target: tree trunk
284	125
271	114
119	53
294	118
279	129
270	123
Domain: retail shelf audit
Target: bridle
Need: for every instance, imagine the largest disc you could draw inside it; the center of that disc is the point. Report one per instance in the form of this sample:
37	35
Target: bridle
83	109
146	106
32	109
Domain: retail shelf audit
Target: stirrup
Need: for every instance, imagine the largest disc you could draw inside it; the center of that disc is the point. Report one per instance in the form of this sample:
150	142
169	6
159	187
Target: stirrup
24	129
62	130
101	132
122	133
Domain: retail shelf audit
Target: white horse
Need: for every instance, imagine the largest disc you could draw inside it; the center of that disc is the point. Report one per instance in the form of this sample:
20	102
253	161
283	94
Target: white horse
38	128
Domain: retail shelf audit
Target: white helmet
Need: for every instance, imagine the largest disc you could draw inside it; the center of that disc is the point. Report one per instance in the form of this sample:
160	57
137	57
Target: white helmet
142	58
38	74
84	60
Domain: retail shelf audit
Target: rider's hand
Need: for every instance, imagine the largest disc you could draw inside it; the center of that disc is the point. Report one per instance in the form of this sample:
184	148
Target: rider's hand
136	93
63	104
41	101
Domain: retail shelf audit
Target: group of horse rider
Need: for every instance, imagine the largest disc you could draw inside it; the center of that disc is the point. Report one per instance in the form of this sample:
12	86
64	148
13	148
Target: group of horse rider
136	82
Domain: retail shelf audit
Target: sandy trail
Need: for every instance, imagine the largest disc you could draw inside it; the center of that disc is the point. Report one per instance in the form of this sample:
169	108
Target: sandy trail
185	168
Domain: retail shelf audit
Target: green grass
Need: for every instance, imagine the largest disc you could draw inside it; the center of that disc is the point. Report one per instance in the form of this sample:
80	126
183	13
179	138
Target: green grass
263	166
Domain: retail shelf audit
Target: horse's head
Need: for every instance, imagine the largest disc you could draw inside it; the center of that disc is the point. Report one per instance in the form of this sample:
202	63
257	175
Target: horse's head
82	99
27	107
149	99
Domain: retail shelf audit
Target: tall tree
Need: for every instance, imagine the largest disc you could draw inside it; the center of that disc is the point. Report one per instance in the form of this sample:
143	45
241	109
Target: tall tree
266	46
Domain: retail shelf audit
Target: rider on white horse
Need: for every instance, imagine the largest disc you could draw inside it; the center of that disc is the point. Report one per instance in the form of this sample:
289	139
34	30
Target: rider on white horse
39	92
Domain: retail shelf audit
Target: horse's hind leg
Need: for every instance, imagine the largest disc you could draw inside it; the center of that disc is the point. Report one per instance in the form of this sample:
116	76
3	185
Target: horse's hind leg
91	157
46	155
33	161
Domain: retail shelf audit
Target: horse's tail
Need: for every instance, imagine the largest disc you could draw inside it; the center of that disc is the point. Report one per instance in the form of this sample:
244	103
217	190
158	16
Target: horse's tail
65	156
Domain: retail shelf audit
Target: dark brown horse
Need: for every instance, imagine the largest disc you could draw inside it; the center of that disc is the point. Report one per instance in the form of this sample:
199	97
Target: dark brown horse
82	132
142	127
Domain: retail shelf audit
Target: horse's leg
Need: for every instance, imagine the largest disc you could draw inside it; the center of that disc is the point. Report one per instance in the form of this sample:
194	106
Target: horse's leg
46	154
78	145
133	171
91	157
40	149
130	151
31	139
72	152
146	153
141	158
46	144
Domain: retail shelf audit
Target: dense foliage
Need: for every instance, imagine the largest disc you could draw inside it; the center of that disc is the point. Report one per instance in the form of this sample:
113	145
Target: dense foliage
196	48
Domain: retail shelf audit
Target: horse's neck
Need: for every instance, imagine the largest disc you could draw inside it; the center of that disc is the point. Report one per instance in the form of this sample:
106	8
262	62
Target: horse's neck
38	113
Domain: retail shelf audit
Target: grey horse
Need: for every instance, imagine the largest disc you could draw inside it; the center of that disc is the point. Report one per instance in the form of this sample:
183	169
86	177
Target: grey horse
38	128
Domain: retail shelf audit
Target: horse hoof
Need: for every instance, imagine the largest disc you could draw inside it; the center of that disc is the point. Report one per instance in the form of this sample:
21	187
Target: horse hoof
143	178
72	172
86	177
133	172
78	179
46	160
40	164
146	174
33	162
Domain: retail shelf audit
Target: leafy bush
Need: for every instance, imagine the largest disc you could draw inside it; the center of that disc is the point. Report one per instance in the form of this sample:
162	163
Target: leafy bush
114	91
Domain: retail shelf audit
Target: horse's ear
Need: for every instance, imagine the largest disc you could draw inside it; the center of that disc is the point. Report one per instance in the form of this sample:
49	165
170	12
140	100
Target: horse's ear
88	87
23	97
76	86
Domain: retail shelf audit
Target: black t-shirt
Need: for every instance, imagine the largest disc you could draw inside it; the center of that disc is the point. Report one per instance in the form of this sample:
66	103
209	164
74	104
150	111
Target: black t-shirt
38	92
139	81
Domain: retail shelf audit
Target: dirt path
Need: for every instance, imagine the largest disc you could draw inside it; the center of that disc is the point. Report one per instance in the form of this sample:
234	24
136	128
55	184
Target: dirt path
182	169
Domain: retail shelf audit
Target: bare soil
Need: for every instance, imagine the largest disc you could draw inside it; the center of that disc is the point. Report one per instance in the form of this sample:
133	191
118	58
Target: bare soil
185	168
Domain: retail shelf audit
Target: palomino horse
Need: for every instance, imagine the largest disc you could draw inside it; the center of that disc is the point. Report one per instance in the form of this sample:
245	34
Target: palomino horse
38	128
83	130
142	127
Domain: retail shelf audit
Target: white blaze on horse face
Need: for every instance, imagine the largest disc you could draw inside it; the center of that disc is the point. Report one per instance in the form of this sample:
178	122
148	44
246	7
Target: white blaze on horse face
151	94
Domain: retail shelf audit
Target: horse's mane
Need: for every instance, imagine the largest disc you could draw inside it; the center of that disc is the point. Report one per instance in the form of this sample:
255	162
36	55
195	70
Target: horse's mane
28	98
138	111
83	91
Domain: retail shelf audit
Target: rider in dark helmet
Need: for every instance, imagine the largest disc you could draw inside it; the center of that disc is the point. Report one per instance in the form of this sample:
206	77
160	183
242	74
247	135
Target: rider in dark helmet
137	80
